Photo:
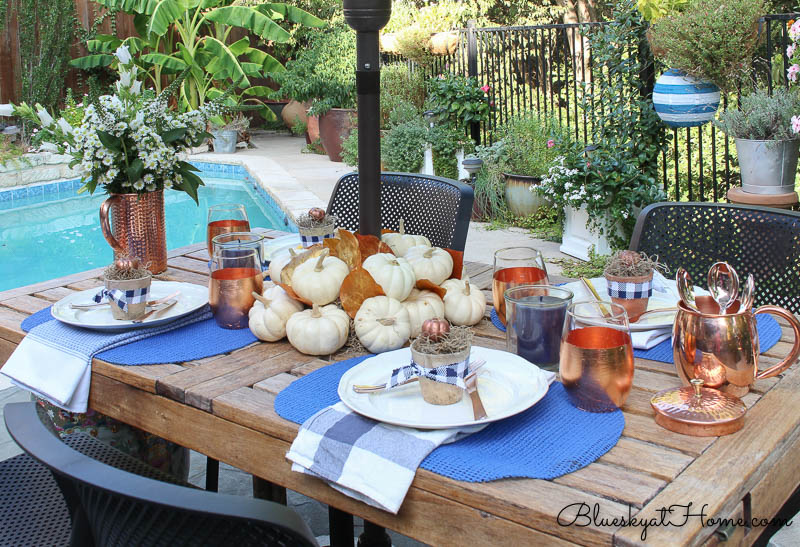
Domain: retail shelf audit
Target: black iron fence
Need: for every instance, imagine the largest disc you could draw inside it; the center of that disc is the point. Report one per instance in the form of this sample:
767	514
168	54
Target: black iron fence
544	68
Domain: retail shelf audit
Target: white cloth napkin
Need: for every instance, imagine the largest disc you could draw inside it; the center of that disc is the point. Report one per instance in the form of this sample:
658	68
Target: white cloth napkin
665	295
368	460
54	360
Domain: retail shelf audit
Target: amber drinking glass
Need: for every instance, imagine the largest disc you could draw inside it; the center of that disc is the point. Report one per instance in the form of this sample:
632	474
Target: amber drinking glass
596	361
225	218
235	274
514	266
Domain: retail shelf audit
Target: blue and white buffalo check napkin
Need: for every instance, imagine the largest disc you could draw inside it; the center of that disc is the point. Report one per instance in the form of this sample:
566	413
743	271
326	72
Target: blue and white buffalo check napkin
364	459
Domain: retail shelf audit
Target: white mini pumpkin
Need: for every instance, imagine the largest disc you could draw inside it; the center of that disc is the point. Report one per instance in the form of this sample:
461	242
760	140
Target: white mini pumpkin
382	324
431	263
318	331
400	241
392	273
278	262
270	312
422	305
463	304
319	279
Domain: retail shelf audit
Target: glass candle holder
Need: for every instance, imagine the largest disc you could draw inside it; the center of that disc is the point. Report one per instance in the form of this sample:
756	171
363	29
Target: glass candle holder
514	266
535	321
225	218
596	361
235	275
241	241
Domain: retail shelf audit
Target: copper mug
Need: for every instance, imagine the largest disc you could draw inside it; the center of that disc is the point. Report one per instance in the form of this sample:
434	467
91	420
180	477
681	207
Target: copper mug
722	350
136	228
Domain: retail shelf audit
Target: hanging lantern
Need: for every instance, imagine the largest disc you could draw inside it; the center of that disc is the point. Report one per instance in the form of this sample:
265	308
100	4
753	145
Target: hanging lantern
683	101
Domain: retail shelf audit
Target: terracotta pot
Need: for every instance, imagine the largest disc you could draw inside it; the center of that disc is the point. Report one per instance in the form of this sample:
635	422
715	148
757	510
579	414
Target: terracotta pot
134	311
137	227
334	126
294	112
633	306
521	201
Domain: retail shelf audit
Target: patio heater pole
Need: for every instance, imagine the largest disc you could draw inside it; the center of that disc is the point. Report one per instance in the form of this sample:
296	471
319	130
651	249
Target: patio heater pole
367	17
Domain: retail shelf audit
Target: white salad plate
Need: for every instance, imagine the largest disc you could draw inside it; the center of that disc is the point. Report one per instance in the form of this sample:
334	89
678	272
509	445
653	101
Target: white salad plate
507	384
192	297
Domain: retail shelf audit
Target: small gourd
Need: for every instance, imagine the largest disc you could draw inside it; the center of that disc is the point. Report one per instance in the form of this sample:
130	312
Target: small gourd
270	312
318	331
435	329
463	305
400	242
382	324
422	305
392	273
431	263
319	279
279	262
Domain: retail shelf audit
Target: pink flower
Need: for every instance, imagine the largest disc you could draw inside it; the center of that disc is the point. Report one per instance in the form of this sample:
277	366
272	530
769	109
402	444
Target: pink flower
486	88
491	103
794	31
551	143
792	72
796	124
790	50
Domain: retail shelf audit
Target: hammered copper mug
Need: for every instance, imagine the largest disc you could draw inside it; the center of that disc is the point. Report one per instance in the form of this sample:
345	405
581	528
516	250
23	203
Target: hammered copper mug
722	350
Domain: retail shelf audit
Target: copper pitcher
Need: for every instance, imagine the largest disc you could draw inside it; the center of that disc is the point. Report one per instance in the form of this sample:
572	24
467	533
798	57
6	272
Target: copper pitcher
722	350
138	227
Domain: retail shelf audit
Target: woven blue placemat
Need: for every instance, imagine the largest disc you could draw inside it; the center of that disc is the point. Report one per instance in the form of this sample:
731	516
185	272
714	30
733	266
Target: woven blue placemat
769	332
550	439
195	341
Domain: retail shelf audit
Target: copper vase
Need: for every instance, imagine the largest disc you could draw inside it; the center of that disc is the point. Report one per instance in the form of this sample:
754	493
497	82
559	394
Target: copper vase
137	227
722	350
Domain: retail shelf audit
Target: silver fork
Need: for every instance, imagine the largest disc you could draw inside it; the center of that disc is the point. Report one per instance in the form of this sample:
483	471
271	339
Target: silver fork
477	405
474	367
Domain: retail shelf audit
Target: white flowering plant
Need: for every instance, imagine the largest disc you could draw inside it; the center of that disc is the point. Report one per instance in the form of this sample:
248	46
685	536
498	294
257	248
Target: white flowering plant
131	141
606	182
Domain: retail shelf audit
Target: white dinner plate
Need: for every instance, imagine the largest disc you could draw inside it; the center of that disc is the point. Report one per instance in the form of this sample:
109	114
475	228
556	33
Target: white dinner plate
192	297
664	296
507	384
274	247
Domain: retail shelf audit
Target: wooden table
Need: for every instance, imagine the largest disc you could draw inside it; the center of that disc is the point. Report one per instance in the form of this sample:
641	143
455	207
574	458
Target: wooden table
222	406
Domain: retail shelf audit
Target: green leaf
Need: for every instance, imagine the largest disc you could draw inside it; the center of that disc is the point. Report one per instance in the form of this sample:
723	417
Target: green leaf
92	61
259	91
250	19
168	63
292	14
110	141
268	62
190	184
135	170
240	46
164	14
184	166
173	135
252	69
227	66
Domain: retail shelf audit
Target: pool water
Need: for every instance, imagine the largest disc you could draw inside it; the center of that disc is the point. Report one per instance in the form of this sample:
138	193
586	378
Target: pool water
45	240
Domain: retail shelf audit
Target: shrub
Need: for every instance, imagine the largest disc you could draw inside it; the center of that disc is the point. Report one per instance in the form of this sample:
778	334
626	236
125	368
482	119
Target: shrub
761	116
529	144
403	147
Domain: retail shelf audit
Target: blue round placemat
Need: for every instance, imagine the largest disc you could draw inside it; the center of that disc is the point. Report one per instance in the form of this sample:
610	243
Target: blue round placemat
189	343
769	333
548	440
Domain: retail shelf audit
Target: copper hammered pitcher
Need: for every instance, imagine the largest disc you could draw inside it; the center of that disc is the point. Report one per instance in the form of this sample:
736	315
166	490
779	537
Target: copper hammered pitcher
722	350
138	227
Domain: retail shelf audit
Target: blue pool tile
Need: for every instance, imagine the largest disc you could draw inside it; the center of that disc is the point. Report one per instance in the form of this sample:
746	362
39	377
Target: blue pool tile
19	193
36	190
5	196
51	188
65	187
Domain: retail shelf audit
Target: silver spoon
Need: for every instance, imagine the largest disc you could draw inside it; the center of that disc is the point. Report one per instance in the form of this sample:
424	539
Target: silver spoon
685	290
723	284
748	294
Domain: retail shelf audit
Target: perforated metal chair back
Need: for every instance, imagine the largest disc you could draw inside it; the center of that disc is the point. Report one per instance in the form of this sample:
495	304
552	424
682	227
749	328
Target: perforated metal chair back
120	508
758	240
435	207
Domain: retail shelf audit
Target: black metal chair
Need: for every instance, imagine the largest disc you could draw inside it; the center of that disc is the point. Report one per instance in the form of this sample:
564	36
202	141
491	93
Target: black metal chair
435	207
115	502
758	240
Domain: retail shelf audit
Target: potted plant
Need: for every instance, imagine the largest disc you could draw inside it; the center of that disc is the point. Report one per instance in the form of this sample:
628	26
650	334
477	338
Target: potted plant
708	47
126	287
131	144
629	281
764	128
403	146
225	130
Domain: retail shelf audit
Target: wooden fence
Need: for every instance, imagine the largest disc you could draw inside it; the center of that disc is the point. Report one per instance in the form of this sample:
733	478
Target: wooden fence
10	60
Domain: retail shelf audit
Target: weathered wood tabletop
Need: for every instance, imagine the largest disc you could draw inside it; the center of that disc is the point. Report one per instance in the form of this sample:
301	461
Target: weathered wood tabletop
222	406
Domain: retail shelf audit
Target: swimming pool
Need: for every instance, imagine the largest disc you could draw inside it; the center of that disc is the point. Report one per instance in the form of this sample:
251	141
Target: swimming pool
48	231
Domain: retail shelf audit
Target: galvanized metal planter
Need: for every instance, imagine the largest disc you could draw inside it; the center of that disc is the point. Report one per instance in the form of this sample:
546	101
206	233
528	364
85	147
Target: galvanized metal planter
768	167
225	141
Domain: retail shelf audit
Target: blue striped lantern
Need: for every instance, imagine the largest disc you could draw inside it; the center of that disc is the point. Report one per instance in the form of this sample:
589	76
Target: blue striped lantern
683	101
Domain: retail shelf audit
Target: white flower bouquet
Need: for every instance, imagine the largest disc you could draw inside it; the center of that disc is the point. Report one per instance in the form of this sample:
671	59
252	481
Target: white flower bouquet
131	142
